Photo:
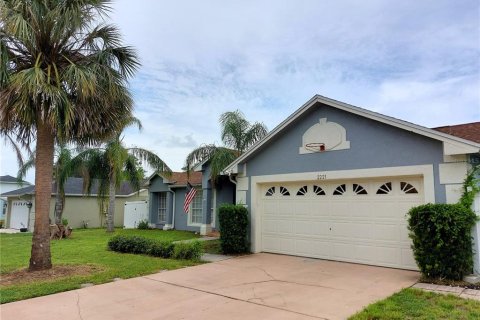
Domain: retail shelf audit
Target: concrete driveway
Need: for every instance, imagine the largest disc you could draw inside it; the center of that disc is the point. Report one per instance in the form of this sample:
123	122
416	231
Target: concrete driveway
259	286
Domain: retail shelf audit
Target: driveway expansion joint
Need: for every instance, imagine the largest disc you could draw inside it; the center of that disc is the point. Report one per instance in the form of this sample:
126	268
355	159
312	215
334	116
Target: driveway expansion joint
78	306
233	298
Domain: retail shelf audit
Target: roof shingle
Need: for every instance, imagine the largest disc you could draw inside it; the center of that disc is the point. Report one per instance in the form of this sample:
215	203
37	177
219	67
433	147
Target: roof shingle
468	131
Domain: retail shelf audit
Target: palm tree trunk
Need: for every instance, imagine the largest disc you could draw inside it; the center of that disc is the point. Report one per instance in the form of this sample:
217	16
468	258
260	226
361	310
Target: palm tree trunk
111	203
40	258
58	204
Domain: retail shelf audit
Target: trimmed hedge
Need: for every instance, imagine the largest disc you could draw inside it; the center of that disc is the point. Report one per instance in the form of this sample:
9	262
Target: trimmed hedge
191	250
233	228
442	242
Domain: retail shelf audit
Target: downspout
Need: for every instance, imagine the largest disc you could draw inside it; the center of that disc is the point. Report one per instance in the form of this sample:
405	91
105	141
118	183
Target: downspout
173	208
230	178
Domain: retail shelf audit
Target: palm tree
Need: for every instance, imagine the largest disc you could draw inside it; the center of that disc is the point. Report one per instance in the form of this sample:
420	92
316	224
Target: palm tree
114	163
63	79
65	166
237	135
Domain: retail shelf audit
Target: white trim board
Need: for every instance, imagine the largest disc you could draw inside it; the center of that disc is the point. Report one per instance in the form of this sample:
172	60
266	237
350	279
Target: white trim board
452	145
426	171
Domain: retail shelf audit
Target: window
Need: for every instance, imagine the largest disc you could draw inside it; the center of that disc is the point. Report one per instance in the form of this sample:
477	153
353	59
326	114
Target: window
358	189
407	188
385	188
318	191
284	191
162	207
302	191
270	192
340	190
196	208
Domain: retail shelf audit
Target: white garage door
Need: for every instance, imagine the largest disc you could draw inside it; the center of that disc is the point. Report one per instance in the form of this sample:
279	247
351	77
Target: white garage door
361	221
19	214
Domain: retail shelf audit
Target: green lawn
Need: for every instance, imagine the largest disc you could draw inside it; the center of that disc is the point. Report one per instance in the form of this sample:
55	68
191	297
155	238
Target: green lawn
87	246
421	305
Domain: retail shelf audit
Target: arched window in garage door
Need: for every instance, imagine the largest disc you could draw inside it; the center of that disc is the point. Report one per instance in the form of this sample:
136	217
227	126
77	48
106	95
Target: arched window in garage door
270	192
340	190
302	191
358	189
407	188
318	191
385	188
284	191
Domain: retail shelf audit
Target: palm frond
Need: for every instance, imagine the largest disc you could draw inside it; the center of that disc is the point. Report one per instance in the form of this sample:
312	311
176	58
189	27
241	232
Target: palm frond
151	159
221	159
200	154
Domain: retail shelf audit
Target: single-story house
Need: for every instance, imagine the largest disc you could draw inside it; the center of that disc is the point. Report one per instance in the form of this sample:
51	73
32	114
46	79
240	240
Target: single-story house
335	181
167	197
80	210
8	183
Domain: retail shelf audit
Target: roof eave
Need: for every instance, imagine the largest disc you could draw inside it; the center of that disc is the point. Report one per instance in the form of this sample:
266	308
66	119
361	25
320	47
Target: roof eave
470	146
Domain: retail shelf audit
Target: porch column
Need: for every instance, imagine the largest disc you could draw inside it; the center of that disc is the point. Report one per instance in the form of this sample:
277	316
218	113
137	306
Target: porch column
206	209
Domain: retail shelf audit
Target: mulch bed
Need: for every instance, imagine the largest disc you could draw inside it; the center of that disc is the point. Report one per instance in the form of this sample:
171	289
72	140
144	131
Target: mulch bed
59	271
451	283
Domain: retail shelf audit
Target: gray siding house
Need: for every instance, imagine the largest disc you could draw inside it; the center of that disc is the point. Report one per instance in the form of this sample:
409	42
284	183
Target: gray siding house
335	181
167	196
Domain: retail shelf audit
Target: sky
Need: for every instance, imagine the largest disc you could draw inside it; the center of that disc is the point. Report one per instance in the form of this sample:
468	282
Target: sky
418	61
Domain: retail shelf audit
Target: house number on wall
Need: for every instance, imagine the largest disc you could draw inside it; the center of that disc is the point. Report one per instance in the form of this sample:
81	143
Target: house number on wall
321	176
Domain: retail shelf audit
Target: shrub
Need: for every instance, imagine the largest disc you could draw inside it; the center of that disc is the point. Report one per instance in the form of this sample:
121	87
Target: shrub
163	249
442	244
65	222
191	250
143	225
233	228
130	244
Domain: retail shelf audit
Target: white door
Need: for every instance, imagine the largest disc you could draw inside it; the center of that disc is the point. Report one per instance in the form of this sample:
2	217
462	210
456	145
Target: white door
19	214
361	221
134	212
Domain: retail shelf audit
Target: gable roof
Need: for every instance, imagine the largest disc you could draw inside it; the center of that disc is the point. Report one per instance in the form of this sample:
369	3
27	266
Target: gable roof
458	145
74	187
180	178
10	179
469	131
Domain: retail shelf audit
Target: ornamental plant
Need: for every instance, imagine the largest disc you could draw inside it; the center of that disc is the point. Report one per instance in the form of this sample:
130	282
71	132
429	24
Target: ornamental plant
233	228
442	242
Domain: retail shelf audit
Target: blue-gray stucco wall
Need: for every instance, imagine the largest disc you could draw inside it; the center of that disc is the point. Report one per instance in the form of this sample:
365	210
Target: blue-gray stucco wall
372	145
225	194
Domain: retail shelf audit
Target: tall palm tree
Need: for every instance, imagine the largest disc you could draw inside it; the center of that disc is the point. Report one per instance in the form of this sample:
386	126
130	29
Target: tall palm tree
237	135
114	163
63	78
65	165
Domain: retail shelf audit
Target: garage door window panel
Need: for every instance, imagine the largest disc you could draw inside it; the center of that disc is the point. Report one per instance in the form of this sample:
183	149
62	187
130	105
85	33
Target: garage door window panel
302	191
407	188
318	191
385	188
359	189
340	190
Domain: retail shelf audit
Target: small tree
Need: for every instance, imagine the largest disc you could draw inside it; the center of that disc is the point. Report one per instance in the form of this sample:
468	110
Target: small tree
65	165
238	134
114	163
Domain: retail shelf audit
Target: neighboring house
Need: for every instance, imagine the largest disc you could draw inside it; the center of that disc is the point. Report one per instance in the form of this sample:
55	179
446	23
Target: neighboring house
335	181
167	196
8	183
79	209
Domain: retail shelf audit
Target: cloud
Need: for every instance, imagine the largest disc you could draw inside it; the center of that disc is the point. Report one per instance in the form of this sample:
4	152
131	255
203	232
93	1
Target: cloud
414	60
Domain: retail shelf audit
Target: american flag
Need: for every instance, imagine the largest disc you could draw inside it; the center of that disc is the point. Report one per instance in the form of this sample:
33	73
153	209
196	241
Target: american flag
191	192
